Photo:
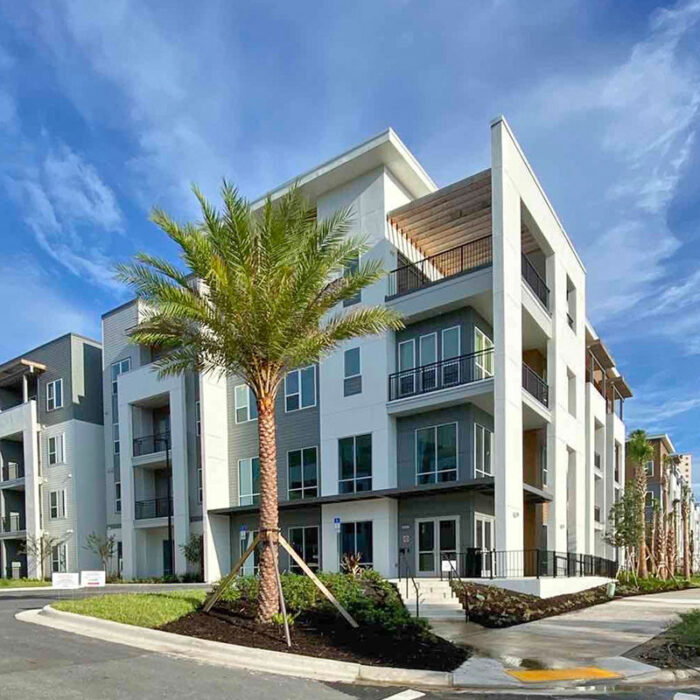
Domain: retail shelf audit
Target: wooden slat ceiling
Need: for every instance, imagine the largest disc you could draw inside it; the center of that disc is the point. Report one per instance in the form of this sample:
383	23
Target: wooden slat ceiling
449	217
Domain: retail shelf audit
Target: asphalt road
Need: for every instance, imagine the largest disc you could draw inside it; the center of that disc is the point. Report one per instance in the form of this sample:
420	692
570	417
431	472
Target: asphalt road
37	662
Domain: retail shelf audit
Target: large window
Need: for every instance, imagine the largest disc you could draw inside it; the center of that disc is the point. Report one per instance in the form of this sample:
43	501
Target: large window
199	484
117	497
356	539
57	504
54	395
436	454
59	558
306	545
245	404
350	269
451	349
355	462
56	449
352	382
248	481
483	443
302	468
120	367
300	389
483	360
197	418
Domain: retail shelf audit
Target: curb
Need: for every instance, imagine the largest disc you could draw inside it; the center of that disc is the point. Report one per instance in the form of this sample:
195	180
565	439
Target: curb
231	655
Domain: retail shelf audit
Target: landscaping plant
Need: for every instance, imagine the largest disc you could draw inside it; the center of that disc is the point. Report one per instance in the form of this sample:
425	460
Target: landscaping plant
262	292
640	451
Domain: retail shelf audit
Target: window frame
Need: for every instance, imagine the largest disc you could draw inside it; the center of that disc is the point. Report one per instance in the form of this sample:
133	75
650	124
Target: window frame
250	396
299	393
252	496
59	451
355	523
437	471
448	362
303	488
480	472
294	568
649	472
200	484
483	363
544	467
354	479
117	496
60	506
51	394
59	555
198	418
119	364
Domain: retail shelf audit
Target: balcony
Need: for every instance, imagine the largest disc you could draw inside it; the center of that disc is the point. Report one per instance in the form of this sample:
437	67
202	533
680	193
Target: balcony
445	374
153	508
151	450
12	523
11	471
535	282
440	267
535	385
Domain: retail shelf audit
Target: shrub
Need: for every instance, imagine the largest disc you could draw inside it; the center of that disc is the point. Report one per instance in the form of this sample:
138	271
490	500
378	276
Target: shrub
631	585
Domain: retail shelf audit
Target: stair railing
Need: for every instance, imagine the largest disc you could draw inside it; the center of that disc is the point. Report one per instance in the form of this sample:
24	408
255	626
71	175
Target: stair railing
403	559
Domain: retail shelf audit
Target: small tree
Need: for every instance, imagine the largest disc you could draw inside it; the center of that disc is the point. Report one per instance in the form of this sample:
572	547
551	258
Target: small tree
40	548
104	547
625	525
193	550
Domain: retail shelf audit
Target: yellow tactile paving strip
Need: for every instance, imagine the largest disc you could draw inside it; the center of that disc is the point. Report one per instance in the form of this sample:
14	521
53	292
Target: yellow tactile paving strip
579	673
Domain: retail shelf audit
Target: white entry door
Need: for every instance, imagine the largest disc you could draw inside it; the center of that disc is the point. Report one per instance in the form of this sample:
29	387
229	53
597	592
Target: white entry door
484	538
438	541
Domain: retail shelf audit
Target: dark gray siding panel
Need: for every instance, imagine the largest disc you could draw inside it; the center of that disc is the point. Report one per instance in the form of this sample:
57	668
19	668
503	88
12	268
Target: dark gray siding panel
57	358
87	371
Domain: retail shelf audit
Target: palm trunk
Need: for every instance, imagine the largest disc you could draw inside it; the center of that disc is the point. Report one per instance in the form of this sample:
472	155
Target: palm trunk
686	548
641	479
268	600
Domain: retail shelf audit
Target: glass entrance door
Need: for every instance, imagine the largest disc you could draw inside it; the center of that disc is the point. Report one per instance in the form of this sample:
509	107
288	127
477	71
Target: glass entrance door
438	541
484	540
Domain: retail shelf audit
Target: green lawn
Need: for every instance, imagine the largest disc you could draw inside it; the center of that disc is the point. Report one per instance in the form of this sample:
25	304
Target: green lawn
687	631
141	609
22	583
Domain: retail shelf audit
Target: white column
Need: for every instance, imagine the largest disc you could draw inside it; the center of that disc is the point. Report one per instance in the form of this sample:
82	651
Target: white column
180	485
126	474
507	331
32	483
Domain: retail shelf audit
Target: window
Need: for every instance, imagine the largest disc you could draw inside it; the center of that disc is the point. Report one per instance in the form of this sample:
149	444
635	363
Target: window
57	504
350	269
115	438
352	383
571	377
199	483
120	367
407	364
197	419
427	353
246	405
543	465
56	445
302	470
59	559
483	442
649	499
483	359
451	348
597	461
356	539
618	460
355	462
300	389
305	543
54	395
248	481
649	467
436	454
117	496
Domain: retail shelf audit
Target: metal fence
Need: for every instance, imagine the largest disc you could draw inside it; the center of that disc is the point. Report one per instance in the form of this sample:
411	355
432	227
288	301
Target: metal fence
535	385
535	282
148	444
153	508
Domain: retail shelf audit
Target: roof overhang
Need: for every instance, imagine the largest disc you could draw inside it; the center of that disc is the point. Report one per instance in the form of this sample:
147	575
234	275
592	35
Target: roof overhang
622	387
601	353
665	439
386	150
12	371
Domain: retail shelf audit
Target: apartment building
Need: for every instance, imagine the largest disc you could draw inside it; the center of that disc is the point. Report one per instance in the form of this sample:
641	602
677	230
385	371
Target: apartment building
51	446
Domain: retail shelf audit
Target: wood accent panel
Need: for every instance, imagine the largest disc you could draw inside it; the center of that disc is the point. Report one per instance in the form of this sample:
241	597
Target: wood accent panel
535	360
531	457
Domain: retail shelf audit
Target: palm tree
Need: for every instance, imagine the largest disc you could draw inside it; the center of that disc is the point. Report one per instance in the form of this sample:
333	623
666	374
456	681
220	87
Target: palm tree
640	451
262	294
685	515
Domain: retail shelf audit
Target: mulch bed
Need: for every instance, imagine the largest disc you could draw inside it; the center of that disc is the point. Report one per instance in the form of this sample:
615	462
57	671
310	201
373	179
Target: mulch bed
322	635
663	652
495	607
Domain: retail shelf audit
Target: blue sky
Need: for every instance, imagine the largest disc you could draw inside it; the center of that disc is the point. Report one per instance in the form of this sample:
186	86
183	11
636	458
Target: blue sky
109	108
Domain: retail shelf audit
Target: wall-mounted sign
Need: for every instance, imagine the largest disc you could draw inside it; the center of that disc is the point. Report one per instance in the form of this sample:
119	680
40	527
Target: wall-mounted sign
60	580
336	522
92	579
406	539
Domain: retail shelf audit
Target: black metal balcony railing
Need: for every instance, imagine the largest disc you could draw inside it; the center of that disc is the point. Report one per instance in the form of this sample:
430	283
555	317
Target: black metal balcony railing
480	563
149	444
535	282
153	508
464	369
11	471
440	266
12	523
535	385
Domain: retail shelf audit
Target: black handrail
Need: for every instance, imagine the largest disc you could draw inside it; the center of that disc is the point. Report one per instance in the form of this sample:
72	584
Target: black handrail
409	576
148	444
454	371
535	282
491	564
153	508
441	266
534	384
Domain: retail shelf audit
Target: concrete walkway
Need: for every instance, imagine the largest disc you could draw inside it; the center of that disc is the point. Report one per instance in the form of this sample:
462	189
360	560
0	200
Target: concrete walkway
593	634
